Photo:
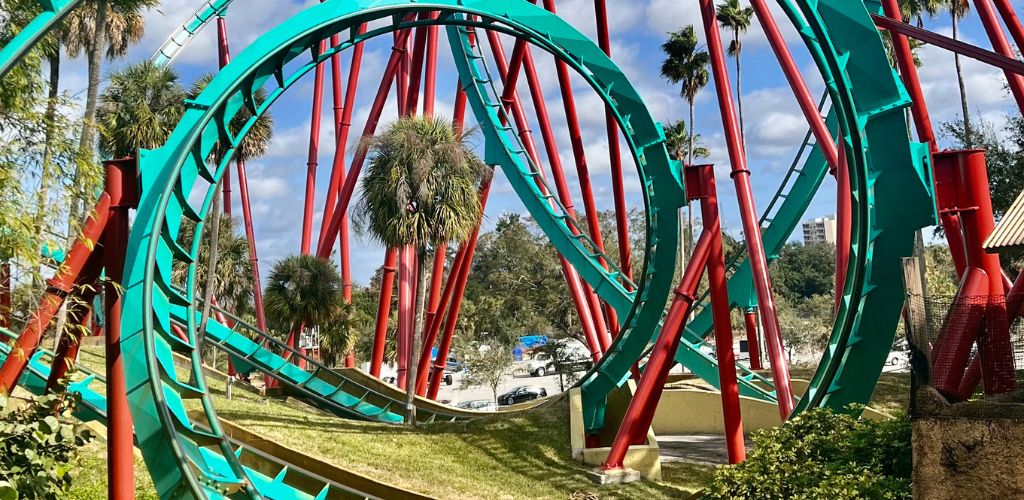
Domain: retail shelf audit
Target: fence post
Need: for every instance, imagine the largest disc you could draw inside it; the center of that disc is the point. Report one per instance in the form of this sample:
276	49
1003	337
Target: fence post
916	320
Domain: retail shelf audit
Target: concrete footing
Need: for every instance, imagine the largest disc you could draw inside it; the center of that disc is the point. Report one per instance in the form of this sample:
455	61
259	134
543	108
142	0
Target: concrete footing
613	476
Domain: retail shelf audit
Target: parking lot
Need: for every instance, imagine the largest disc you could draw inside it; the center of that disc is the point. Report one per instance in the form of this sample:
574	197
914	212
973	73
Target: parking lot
452	392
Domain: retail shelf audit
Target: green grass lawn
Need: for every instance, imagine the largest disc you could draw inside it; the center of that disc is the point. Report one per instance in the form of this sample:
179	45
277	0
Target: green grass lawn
525	456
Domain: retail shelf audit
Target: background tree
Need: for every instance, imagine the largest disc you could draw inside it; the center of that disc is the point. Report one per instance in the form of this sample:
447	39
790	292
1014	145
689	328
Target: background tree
421	190
686	64
340	335
233	280
302	291
803	271
139	109
677	140
487	365
736	17
257	139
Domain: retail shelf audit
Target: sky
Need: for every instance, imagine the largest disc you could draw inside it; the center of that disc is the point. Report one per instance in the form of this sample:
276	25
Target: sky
774	125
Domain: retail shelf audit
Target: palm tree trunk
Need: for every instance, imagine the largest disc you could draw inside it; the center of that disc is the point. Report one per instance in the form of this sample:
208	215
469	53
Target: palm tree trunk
87	139
211	272
99	43
46	172
739	87
414	348
968	135
688	235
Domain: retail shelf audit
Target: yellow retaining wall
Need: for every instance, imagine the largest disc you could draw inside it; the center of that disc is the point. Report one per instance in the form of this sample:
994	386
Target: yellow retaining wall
691	411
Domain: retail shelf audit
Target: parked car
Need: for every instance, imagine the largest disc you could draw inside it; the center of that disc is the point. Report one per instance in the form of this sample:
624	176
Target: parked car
478	405
446	378
522	394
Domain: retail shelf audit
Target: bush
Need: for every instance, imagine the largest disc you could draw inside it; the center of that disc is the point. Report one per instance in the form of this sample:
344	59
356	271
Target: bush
822	454
38	444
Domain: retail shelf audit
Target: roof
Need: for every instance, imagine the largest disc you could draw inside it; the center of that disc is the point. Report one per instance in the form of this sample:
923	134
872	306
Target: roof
1009	232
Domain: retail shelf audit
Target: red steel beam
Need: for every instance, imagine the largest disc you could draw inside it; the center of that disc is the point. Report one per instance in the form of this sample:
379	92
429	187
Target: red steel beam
911	80
314	151
1012	22
748	213
1002	46
615	155
753	345
326	245
58	287
224	57
796	82
591	319
121	185
640	414
387	283
994	346
701	184
605	332
965	49
67	348
406	311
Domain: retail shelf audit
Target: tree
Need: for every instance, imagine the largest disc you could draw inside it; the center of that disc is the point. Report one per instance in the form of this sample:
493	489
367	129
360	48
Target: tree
122	25
340	335
803	271
677	140
257	139
139	109
686	63
486	365
233	280
738	18
421	190
302	291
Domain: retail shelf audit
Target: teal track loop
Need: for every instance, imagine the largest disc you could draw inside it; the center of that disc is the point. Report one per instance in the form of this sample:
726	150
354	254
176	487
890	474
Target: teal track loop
51	13
890	192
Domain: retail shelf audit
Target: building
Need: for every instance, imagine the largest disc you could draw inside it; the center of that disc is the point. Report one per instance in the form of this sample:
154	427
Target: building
820	230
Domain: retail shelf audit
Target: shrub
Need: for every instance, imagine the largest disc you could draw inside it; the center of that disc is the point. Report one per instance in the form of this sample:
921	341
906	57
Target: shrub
38	443
822	454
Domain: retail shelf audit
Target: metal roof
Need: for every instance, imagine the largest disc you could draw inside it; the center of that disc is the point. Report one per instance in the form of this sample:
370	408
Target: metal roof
1010	231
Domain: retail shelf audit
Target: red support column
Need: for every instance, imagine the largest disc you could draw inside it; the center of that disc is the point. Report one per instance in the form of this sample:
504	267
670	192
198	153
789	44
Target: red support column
121	182
1012	22
753	344
908	71
952	350
250	237
1002	46
5	294
615	155
994	345
325	246
406	311
796	82
844	229
640	414
58	287
224	55
387	283
314	151
748	213
704	177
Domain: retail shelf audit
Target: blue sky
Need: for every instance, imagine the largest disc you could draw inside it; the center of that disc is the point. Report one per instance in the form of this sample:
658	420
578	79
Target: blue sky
774	125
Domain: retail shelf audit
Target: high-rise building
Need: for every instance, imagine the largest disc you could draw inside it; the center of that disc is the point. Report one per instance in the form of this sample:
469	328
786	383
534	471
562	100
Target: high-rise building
820	230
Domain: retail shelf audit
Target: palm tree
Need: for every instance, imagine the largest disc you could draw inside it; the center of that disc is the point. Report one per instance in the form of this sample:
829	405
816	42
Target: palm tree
340	335
303	291
124	26
677	141
686	63
233	283
257	140
139	109
420	190
734	16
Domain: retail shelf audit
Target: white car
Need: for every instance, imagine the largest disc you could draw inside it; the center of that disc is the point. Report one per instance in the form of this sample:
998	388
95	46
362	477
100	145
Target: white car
898	358
478	405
